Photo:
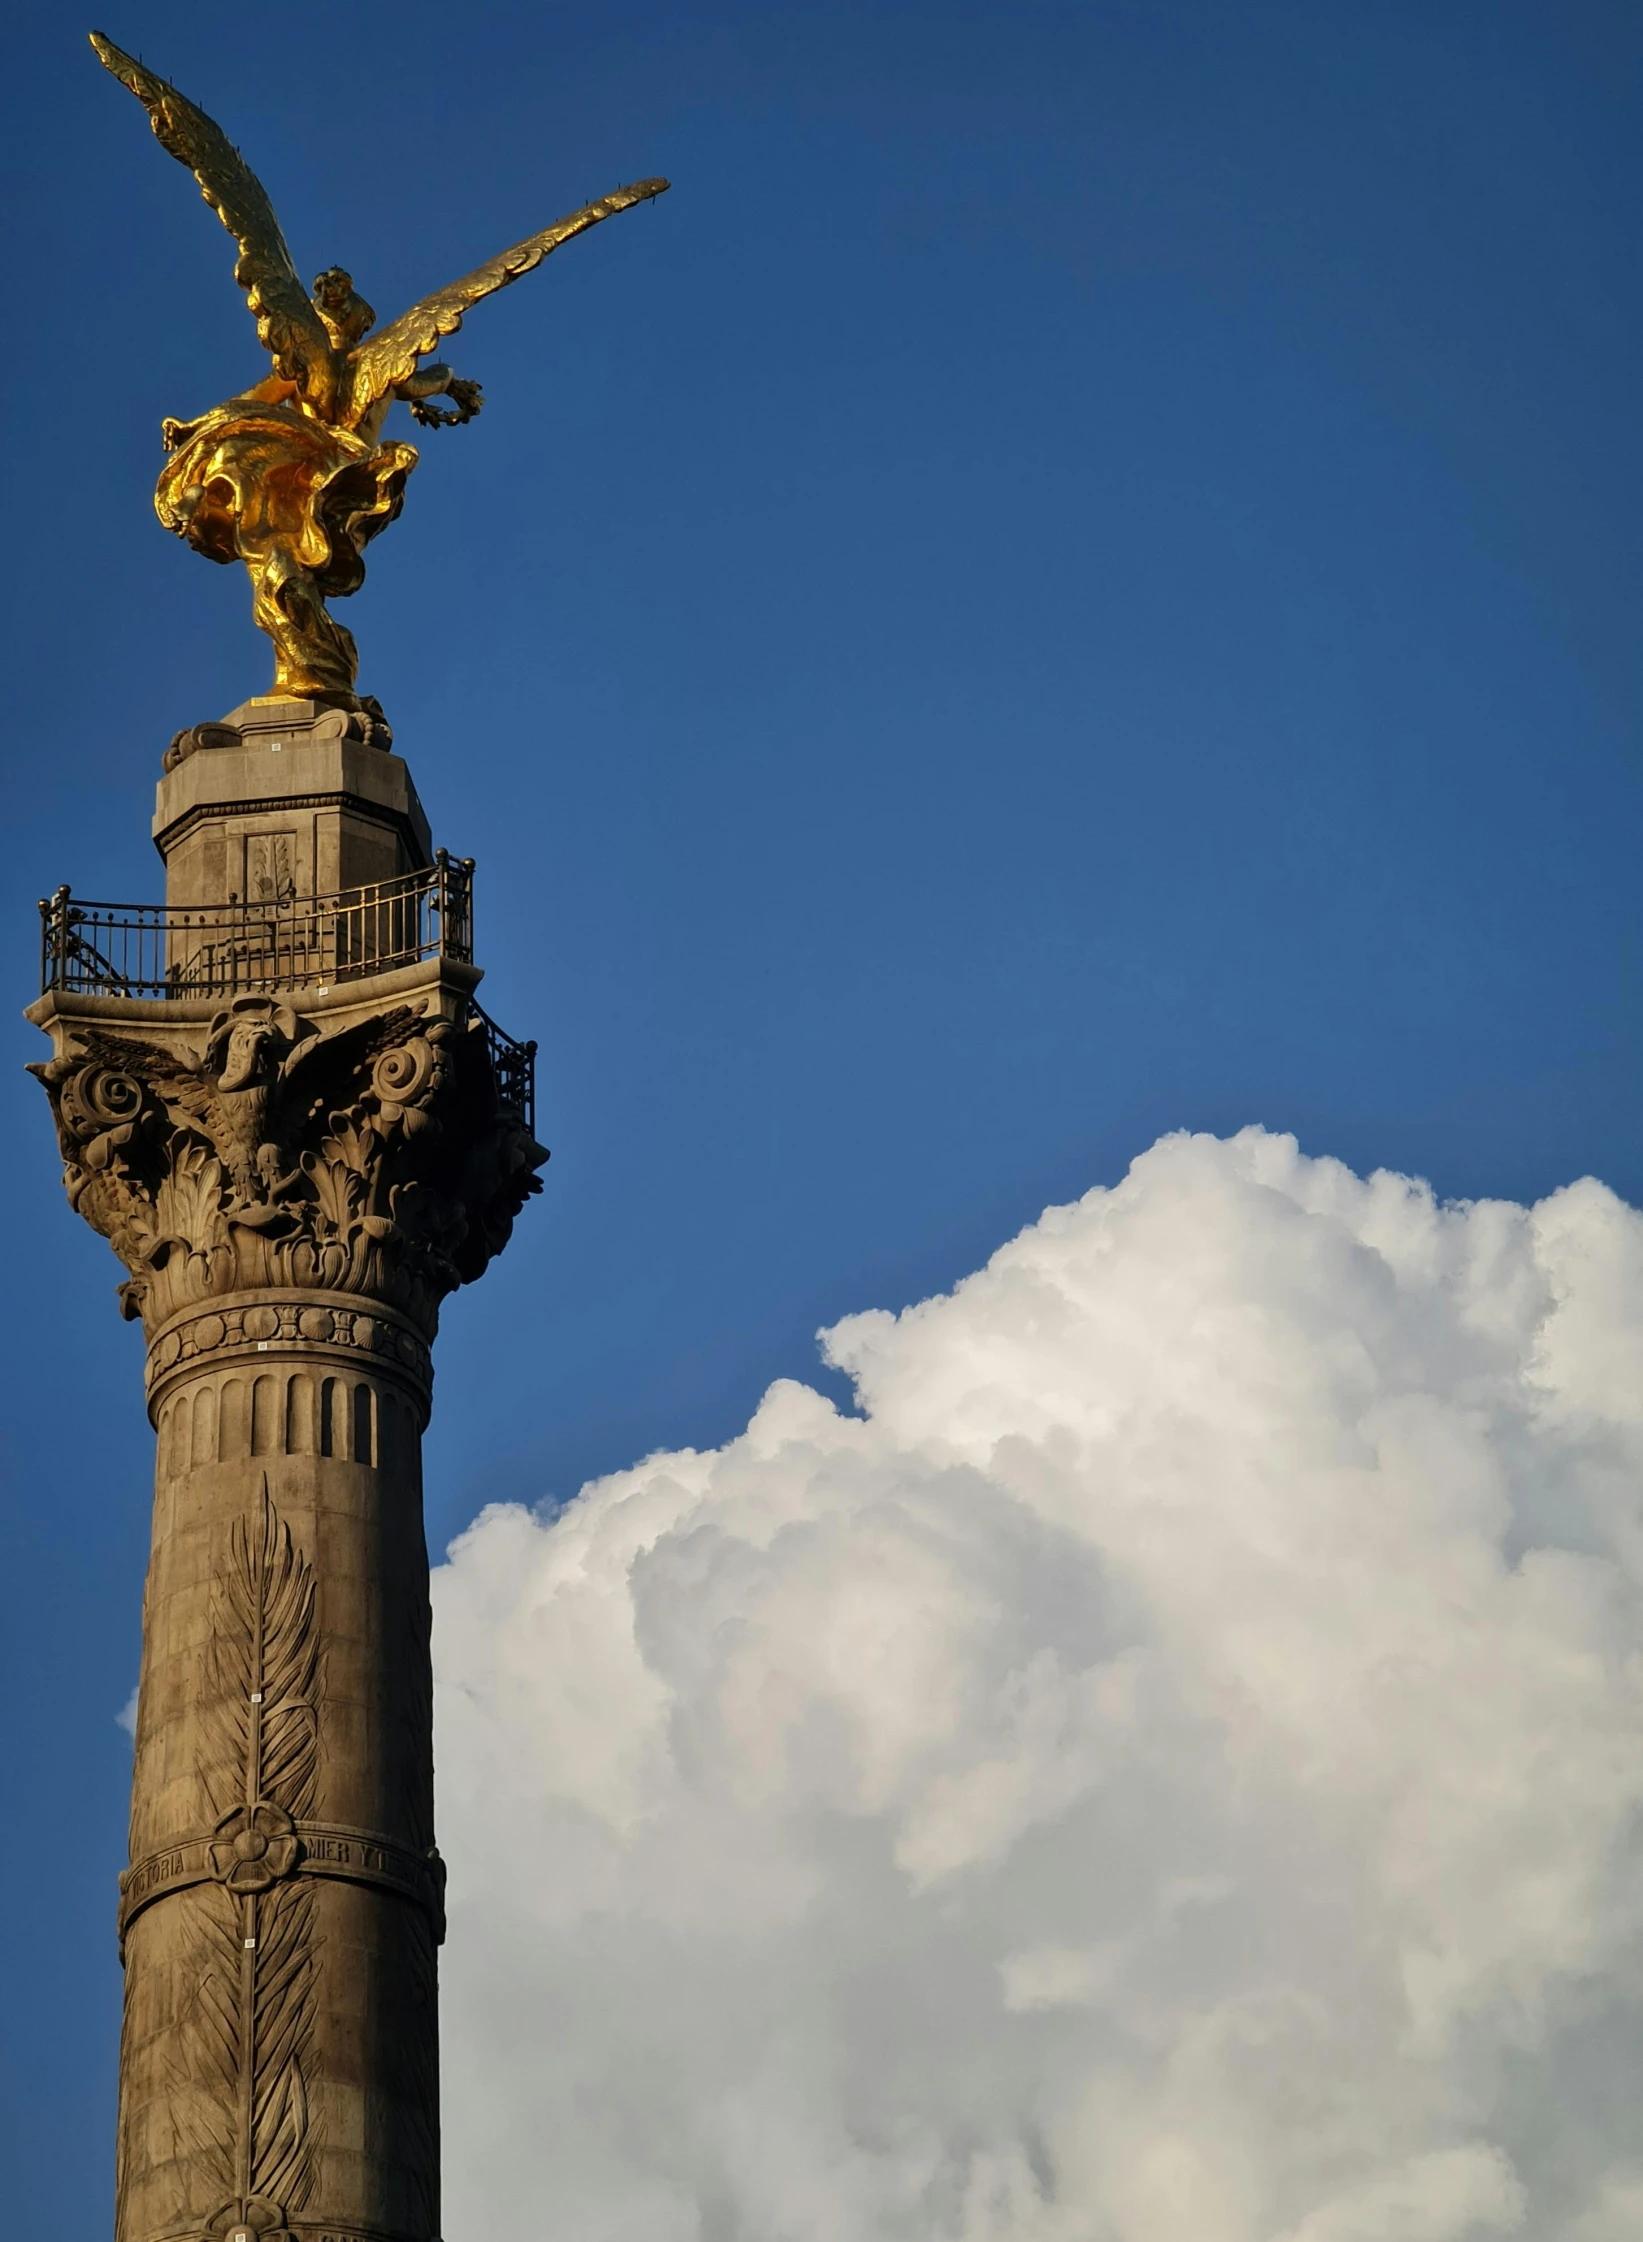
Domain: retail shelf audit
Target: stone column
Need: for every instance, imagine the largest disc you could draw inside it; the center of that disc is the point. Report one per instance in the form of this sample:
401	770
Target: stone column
282	1909
294	1180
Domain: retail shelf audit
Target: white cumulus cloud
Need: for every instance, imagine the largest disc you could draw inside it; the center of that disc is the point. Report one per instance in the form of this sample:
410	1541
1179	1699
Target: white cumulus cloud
1170	1769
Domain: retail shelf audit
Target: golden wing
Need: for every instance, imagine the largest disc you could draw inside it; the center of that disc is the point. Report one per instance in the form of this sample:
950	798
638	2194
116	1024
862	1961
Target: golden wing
287	324
391	356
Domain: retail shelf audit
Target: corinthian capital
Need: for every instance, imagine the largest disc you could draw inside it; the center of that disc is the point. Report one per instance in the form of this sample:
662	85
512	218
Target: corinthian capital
371	1149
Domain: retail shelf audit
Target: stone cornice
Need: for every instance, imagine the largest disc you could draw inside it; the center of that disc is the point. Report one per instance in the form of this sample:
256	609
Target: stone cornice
440	987
206	813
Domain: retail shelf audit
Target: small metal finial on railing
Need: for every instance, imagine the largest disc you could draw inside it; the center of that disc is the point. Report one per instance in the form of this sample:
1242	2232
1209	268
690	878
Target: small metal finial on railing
53	933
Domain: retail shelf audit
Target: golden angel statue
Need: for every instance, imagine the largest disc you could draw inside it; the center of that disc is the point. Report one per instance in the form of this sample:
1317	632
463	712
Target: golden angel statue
292	477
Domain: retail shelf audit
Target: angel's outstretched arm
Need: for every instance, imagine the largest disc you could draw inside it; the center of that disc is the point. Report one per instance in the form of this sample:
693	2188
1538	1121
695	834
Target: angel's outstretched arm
287	324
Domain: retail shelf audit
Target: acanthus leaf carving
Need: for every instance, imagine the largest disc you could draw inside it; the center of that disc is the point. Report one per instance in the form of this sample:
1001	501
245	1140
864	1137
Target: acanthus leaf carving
377	1158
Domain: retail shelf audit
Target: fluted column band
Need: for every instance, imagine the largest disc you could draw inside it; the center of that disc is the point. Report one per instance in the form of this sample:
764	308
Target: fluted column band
256	1329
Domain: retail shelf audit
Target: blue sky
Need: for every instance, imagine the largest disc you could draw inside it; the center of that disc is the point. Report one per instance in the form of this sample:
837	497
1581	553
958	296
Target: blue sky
1078	577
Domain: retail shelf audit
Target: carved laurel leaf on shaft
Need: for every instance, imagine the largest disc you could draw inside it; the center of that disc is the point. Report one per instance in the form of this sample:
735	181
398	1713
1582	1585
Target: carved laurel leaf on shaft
285	2005
239	2073
290	1731
204	2070
416	1723
122	2154
418	2159
230	1668
264	1638
251	2022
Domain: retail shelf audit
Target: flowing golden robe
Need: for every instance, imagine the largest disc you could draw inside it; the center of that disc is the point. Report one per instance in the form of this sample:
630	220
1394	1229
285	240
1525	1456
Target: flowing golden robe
297	502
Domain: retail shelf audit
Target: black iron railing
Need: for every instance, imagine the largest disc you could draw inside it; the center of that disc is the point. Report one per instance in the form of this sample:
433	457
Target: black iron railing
514	1065
295	942
284	942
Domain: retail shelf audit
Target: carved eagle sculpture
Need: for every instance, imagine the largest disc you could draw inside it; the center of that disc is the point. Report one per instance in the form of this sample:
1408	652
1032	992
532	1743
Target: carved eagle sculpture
262	1077
322	360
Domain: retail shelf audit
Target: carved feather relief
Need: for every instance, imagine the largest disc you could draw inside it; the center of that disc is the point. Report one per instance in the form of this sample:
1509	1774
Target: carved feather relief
417	2083
240	2090
204	2066
263	1670
280	2130
239	2098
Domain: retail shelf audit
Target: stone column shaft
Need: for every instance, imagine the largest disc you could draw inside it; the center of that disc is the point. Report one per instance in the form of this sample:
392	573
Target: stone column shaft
281	1914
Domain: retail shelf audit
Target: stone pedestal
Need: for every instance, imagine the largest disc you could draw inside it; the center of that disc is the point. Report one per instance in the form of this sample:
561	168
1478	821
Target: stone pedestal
294	1179
285	798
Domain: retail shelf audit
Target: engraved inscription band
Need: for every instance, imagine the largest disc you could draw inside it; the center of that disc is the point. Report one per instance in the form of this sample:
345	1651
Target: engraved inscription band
306	2230
354	1856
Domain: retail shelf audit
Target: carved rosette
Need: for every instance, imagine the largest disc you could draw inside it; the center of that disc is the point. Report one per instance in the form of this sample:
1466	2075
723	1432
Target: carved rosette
254	1847
375	1160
